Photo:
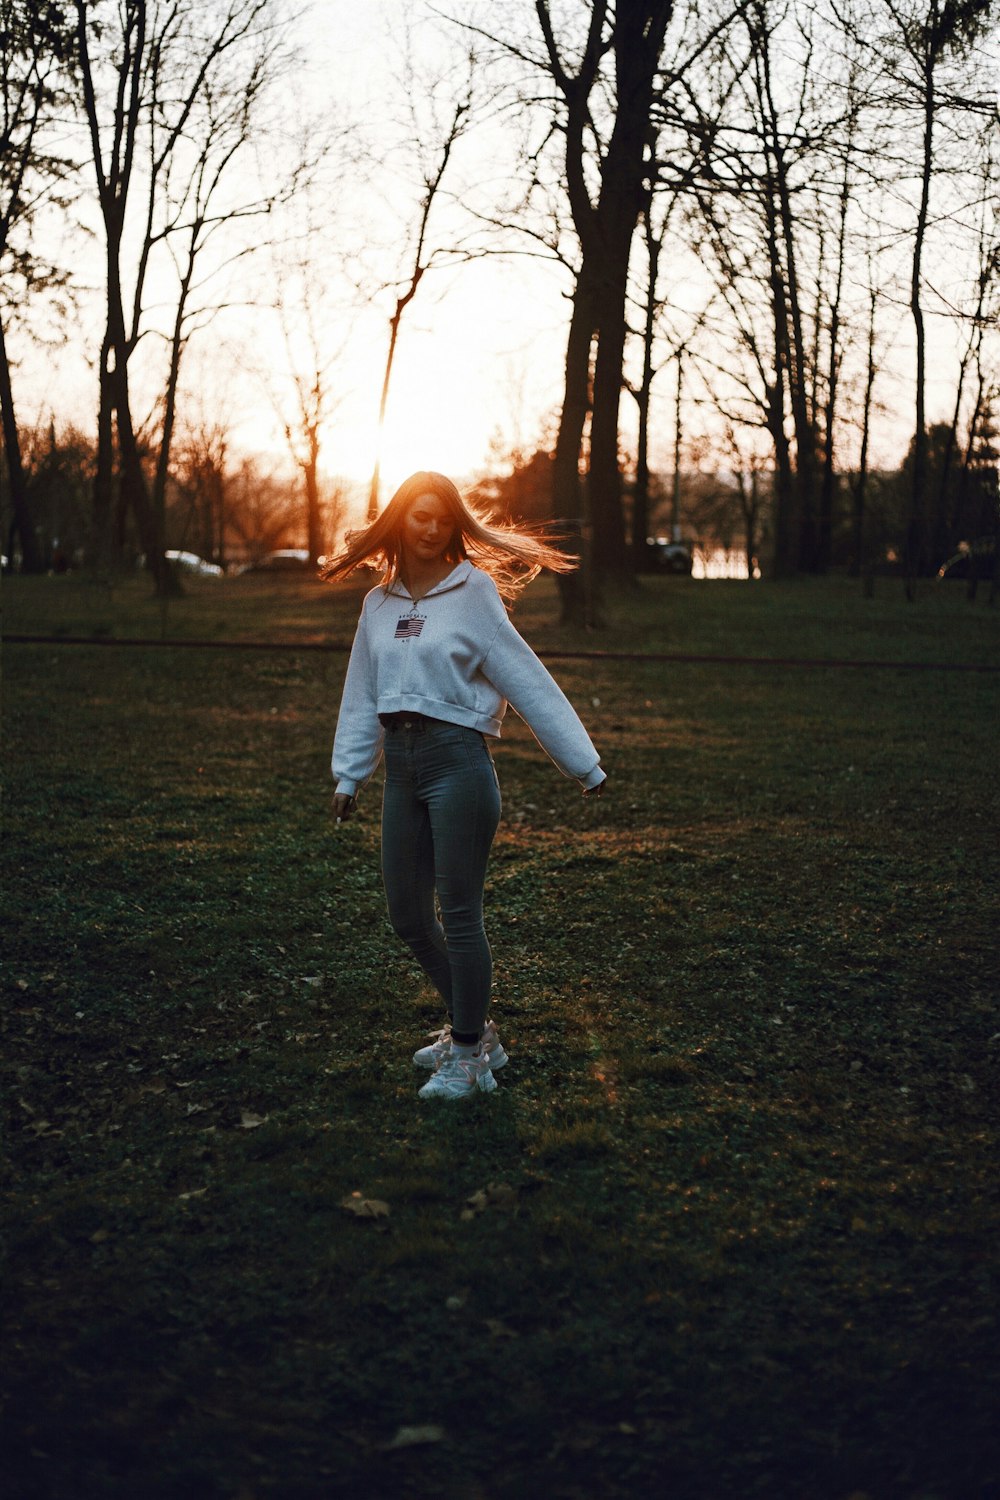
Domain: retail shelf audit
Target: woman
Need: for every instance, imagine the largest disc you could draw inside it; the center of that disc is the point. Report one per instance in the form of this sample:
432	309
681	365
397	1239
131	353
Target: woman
435	662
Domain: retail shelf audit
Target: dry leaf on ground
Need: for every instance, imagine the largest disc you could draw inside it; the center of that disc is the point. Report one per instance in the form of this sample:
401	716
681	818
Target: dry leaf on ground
500	1330
415	1437
494	1195
365	1208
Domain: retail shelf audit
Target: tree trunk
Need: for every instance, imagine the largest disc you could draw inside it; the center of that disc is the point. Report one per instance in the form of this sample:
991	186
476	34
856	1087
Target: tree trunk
310	474
31	557
605	479
798	384
135	491
827	483
605	231
750	514
159	497
640	27
858	559
394	321
135	494
640	494
788	308
567	491
784	550
918	491
784	494
218	511
102	545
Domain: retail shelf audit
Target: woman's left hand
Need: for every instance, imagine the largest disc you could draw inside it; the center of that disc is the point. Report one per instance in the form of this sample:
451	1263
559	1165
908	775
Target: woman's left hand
343	806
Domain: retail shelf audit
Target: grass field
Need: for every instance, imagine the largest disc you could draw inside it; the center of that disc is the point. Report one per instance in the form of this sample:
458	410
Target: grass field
729	1225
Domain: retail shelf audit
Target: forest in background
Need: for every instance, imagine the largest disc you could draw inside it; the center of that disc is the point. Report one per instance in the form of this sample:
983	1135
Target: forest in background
753	208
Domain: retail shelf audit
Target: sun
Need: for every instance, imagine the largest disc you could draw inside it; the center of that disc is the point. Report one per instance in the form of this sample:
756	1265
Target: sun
409	444
440	415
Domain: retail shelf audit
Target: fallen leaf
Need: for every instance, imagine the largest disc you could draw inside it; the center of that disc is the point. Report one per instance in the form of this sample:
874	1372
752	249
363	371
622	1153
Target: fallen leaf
365	1208
499	1330
250	1121
415	1437
494	1195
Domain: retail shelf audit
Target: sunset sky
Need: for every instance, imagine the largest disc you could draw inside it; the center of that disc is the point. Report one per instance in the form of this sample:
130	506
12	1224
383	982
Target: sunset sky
481	347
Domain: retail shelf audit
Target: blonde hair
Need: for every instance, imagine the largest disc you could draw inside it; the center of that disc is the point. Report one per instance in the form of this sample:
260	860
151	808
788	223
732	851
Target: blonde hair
510	556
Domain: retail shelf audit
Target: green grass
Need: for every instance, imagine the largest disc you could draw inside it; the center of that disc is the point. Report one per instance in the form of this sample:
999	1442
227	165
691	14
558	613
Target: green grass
729	1225
826	619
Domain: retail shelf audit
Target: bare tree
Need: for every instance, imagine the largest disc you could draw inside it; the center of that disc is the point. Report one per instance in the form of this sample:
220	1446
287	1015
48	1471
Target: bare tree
310	365
597	72
199	206
262	511
750	487
859	561
978	316
822	550
34	48
653	240
154	64
779	188
114	155
784	253
666	335
202	484
304	440
925	35
605	221
438	119
309	294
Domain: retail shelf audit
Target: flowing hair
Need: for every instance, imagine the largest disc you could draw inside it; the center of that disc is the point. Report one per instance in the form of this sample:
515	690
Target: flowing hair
512	557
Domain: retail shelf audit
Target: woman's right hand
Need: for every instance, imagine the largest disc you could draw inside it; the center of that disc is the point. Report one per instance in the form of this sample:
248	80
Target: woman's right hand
343	807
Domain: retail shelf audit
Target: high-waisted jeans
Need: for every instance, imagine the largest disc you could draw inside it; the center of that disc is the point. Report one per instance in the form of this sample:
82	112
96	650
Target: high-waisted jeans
440	810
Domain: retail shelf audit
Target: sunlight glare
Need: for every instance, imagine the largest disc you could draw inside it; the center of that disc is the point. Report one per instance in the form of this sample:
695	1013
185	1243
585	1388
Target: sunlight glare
434	419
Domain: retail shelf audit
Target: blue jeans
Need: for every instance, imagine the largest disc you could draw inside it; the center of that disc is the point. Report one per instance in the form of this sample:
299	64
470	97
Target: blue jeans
440	810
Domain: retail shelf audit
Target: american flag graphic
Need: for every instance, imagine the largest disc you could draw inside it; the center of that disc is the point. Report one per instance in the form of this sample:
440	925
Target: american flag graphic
409	627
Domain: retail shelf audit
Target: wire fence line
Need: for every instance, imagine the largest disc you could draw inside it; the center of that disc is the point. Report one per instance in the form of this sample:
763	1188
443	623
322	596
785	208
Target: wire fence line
555	654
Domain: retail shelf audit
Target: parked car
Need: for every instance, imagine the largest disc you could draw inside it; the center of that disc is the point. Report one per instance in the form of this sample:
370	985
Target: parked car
284	560
663	556
192	563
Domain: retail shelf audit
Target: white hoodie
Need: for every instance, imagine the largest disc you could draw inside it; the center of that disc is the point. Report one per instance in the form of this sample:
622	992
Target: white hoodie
454	656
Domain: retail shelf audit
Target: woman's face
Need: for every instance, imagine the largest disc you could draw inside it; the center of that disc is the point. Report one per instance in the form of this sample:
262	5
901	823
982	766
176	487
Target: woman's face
427	529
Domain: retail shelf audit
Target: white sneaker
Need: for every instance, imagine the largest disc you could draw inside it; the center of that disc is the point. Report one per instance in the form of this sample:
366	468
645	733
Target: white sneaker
433	1056
459	1076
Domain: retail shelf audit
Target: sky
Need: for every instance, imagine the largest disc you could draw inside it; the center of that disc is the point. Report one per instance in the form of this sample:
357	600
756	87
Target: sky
481	348
481	345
